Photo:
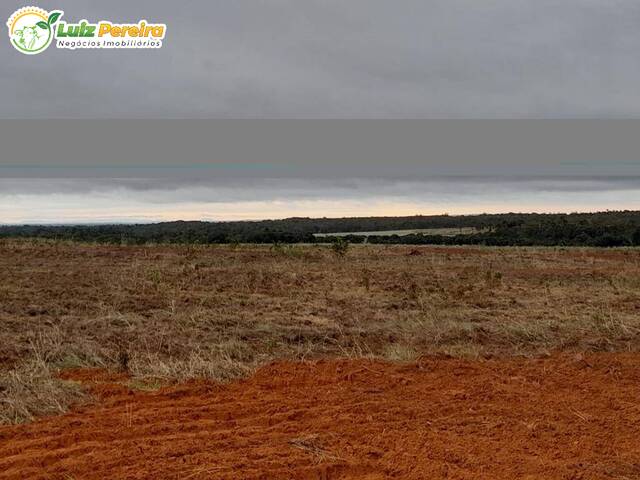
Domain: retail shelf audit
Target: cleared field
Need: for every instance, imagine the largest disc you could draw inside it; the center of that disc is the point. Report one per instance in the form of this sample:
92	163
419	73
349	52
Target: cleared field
447	232
451	362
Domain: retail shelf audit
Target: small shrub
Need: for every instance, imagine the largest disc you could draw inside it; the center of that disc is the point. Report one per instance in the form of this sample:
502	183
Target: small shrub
277	248
340	247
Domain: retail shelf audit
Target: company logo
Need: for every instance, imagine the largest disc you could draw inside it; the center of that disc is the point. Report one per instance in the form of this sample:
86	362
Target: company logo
32	30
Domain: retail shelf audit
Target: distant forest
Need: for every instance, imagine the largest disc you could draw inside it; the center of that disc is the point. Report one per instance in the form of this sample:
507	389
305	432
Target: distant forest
603	229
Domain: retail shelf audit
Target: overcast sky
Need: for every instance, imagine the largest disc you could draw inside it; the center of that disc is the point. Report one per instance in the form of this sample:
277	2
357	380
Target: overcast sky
331	59
337	58
150	200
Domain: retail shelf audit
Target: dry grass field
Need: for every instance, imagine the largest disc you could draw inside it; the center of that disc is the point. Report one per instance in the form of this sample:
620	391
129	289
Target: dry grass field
302	362
167	313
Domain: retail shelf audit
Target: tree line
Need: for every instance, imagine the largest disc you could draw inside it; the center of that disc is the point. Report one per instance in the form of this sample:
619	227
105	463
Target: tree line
602	229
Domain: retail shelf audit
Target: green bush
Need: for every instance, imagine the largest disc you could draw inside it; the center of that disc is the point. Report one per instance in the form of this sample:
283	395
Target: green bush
340	247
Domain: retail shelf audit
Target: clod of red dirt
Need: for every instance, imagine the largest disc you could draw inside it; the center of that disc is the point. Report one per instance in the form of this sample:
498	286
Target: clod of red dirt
92	375
562	417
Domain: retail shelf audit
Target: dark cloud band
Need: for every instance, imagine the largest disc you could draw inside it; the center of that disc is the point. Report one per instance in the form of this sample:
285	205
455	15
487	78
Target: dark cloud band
318	148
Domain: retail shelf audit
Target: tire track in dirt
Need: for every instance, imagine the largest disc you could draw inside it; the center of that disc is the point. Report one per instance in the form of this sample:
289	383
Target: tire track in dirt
555	418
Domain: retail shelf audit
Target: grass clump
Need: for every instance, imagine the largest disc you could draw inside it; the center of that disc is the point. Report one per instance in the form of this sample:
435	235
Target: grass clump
33	390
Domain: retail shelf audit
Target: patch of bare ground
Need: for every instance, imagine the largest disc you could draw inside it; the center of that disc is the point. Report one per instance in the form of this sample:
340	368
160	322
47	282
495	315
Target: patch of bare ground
168	313
562	417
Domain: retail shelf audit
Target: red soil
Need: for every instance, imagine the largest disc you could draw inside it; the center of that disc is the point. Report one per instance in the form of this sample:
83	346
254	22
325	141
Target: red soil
93	375
563	417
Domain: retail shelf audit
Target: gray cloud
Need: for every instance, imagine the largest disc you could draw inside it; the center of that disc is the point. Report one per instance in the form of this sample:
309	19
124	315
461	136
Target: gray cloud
248	189
318	148
331	58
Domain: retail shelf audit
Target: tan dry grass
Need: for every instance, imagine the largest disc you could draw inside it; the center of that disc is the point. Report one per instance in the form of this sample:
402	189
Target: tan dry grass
178	312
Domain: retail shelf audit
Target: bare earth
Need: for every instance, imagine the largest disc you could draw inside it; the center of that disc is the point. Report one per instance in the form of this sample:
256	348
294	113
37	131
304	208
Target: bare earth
563	417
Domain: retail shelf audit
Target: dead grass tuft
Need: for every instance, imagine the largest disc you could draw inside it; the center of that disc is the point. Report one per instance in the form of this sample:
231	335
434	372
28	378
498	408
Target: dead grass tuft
33	390
313	445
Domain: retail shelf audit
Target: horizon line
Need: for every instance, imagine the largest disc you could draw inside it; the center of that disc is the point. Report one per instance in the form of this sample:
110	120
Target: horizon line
157	222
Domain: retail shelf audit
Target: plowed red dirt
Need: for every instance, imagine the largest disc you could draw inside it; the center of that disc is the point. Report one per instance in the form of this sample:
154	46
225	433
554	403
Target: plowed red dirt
563	417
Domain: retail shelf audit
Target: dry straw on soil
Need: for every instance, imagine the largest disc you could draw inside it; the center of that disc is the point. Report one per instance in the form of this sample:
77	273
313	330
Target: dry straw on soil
166	313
